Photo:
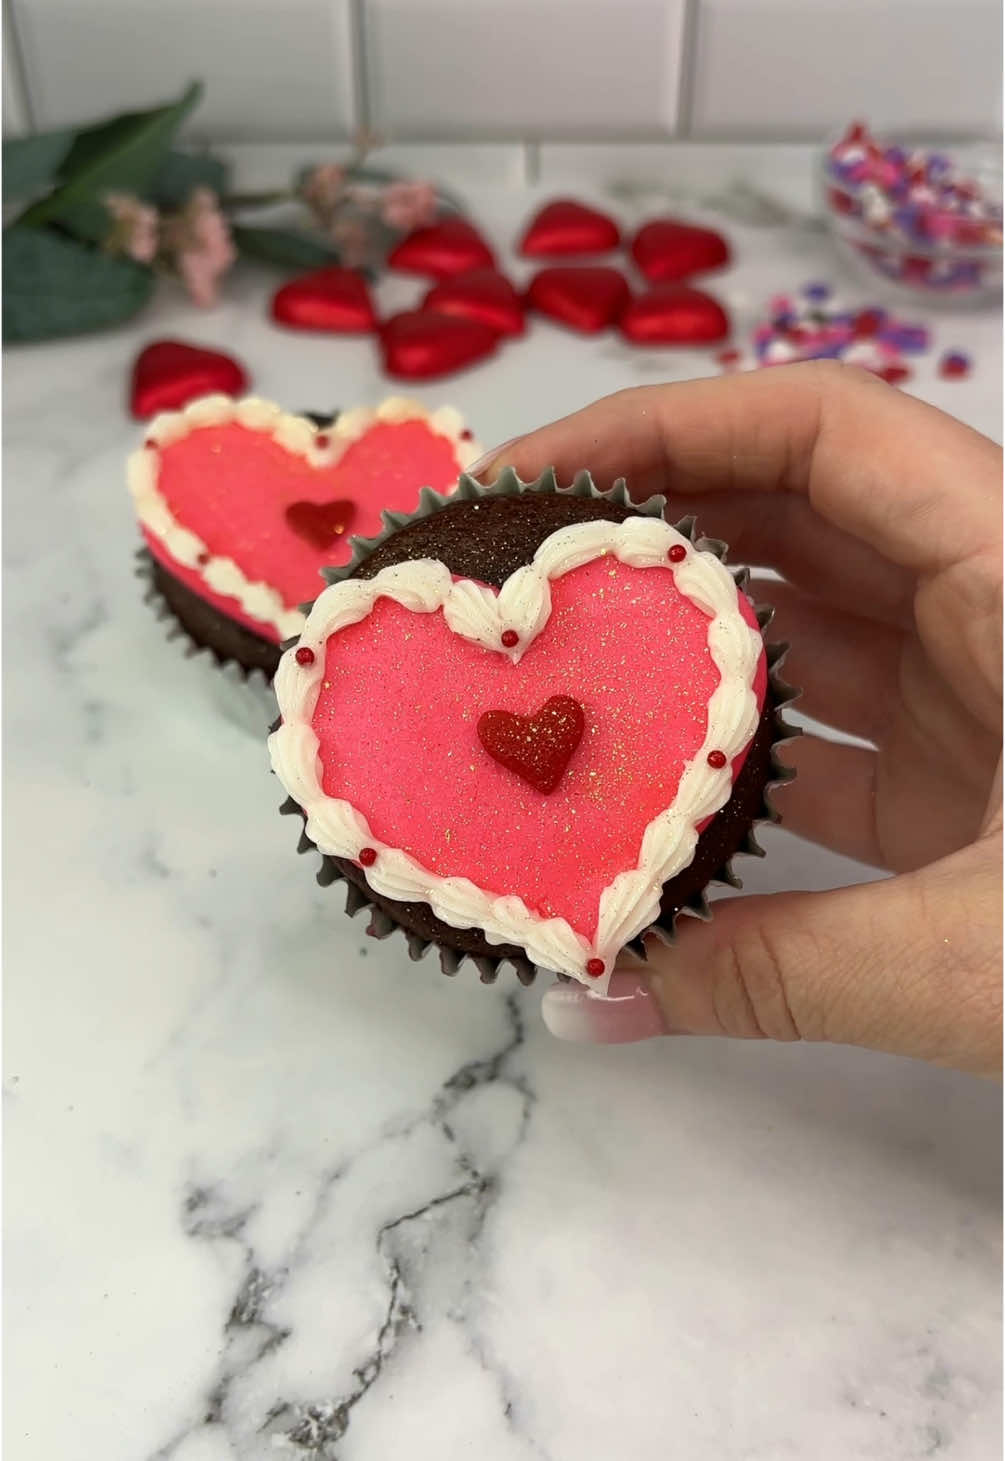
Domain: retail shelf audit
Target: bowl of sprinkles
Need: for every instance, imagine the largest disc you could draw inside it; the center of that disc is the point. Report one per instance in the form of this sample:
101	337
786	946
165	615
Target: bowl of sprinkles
929	227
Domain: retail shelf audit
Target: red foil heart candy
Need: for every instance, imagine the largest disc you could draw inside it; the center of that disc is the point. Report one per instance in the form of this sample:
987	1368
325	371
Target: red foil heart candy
333	300
566	227
168	374
586	299
421	344
320	523
666	250
442	249
479	294
674	314
536	747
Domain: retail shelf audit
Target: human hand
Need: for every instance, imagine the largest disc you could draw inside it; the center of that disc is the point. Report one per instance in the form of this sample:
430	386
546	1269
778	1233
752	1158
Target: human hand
884	518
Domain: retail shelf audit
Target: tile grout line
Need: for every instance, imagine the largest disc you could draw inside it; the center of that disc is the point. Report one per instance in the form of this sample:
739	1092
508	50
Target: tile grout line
688	57
361	78
14	54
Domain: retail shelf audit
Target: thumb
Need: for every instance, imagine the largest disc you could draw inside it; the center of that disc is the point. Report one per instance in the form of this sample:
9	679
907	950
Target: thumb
910	965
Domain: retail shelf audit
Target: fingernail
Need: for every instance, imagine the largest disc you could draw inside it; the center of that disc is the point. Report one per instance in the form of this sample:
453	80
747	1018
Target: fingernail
486	461
627	1013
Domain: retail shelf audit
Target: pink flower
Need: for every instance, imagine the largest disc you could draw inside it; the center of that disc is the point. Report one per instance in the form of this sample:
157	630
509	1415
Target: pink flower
134	227
322	190
200	239
408	205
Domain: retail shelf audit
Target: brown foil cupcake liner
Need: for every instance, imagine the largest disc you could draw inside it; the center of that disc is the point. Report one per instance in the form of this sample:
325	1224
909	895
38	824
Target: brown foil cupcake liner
381	924
244	695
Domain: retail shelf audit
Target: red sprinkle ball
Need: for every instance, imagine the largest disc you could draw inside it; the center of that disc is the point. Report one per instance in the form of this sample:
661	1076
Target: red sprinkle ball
595	967
677	553
321	441
367	856
717	759
150	444
954	365
304	656
509	638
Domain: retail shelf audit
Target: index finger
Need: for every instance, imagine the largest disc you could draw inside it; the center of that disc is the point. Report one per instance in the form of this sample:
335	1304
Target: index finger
898	474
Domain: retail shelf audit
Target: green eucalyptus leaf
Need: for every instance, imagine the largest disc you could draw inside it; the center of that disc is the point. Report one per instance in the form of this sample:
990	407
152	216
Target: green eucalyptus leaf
284	246
33	163
55	286
123	155
181	172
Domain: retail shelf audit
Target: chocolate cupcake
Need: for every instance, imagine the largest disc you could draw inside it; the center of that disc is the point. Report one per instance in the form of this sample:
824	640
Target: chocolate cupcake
241	505
531	725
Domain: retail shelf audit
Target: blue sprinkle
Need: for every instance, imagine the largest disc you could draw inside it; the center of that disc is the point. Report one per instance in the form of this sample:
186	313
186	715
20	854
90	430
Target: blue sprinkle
911	339
896	155
817	291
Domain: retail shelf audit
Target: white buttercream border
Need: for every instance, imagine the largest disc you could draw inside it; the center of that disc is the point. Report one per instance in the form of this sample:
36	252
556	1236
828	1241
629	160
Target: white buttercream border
299	436
631	902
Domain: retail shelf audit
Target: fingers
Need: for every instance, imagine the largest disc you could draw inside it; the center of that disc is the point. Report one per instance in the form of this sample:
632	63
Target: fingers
782	532
910	965
832	800
845	667
883	467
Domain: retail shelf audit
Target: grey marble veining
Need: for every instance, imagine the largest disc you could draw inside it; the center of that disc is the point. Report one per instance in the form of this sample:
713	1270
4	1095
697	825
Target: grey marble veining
272	1190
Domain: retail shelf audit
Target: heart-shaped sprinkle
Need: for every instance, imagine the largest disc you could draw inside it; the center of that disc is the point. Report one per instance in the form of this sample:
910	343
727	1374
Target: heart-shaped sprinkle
421	344
566	227
666	250
168	374
442	249
333	300
482	295
674	314
586	299
320	523
536	747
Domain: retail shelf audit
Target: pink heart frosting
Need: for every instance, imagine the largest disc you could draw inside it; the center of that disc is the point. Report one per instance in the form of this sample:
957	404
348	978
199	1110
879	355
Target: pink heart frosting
214	484
391	702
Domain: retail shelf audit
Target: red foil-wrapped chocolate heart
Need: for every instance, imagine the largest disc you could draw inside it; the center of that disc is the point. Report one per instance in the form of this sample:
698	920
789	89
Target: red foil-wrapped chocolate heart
442	249
666	250
333	300
168	374
674	314
421	344
586	299
565	227
483	295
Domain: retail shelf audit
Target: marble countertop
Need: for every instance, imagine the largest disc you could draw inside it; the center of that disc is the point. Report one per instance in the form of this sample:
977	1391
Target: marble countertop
272	1190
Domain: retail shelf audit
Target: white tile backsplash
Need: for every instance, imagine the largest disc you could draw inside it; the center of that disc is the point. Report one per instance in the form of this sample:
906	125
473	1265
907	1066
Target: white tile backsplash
524	68
271	70
476	73
797	68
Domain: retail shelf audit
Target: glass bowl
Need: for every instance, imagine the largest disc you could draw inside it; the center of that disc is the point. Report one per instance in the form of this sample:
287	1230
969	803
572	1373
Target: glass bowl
934	272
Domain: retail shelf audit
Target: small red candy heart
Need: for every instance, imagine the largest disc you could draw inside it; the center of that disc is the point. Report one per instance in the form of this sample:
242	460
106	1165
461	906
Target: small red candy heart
479	294
568	227
665	250
442	249
587	299
320	523
168	374
674	314
421	344
537	747
334	300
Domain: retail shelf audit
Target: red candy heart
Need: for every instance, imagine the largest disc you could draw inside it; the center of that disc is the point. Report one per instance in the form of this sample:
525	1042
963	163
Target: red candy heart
320	523
482	295
568	227
168	374
442	249
665	250
537	747
586	299
674	314
334	300
420	344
